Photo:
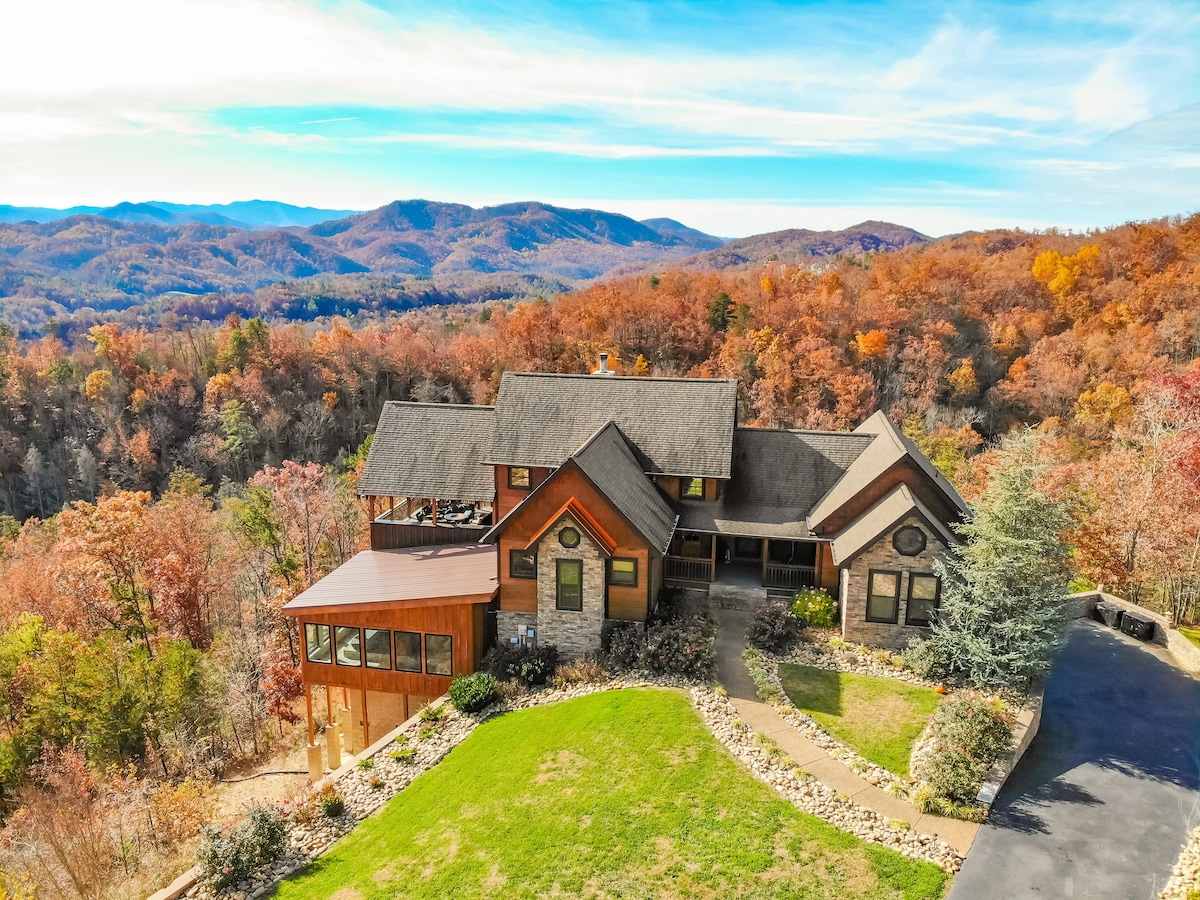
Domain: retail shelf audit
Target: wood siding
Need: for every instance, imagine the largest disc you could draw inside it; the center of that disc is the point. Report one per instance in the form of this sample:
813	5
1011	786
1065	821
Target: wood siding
462	621
828	571
520	594
904	472
394	536
508	498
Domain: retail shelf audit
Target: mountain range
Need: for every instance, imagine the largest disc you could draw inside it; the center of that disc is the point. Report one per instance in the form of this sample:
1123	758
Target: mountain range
128	255
248	214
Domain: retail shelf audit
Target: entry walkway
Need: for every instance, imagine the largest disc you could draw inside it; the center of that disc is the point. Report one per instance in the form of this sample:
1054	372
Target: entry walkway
731	672
1101	804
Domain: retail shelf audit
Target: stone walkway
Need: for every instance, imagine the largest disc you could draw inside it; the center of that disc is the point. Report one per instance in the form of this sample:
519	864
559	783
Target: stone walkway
731	672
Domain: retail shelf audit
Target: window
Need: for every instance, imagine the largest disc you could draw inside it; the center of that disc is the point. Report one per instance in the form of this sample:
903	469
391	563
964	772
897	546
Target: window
691	545
570	584
408	651
623	572
691	488
518	477
569	537
379	648
348	643
924	591
909	540
439	654
522	563
316	643
883	596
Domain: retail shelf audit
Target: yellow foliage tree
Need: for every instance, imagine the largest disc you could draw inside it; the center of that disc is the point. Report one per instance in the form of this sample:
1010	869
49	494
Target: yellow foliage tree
963	380
1106	404
872	345
98	384
1061	275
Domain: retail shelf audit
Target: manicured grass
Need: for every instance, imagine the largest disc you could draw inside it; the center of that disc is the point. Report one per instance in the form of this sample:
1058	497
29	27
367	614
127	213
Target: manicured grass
619	794
880	718
1192	634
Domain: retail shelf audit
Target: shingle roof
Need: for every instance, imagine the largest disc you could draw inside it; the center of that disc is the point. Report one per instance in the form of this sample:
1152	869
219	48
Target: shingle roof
410	576
777	478
676	426
896	505
609	463
431	450
887	448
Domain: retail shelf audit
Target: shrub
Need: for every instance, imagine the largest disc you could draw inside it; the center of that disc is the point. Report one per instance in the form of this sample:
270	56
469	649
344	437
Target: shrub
622	644
431	713
581	671
680	648
969	732
816	607
528	665
922	659
511	690
428	732
225	858
403	754
375	783
774	627
333	804
471	693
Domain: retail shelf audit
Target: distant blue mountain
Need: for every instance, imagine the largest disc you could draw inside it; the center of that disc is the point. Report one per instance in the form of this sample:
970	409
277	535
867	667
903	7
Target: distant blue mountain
247	214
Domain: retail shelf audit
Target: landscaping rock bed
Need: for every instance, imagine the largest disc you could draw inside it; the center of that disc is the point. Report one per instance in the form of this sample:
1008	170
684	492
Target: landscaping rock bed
365	790
825	650
1184	882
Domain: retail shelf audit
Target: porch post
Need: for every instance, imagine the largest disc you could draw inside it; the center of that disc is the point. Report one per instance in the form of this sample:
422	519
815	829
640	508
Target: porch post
371	507
712	574
765	555
366	721
312	734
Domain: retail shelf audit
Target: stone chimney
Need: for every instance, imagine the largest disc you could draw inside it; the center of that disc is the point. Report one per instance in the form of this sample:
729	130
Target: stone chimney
604	369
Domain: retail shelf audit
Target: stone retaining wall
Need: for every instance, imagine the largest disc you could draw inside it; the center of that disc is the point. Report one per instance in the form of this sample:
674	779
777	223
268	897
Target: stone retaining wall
1186	654
1029	718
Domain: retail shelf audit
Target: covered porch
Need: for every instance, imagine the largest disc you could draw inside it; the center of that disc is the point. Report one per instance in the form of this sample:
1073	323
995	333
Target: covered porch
400	522
698	557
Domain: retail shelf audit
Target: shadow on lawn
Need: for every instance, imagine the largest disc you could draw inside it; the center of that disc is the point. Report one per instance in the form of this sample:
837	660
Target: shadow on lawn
812	689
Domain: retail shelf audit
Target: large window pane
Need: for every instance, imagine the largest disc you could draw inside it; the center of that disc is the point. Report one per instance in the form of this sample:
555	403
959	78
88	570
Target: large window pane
623	572
923	591
317	643
883	596
379	648
518	477
522	563
570	584
349	646
691	488
408	651
439	654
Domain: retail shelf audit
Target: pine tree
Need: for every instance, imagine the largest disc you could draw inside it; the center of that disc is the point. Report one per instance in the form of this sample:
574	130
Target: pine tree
1003	607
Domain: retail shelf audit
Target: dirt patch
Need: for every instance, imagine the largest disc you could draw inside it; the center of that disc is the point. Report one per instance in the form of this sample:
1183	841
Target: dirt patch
346	893
563	764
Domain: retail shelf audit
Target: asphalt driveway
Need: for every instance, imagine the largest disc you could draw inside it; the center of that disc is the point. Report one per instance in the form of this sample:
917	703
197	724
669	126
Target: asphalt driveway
1101	804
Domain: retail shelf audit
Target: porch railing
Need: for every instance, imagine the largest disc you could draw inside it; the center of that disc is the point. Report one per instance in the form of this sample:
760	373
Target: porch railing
394	536
679	568
793	577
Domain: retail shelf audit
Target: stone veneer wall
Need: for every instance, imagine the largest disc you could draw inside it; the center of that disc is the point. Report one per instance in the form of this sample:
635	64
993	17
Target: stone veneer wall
509	624
574	633
882	555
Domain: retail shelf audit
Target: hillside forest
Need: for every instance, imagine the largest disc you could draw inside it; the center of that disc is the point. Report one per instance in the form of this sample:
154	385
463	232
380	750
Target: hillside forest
165	490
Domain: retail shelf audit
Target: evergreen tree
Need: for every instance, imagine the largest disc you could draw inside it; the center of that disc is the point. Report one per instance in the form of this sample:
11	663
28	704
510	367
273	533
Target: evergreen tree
1003	608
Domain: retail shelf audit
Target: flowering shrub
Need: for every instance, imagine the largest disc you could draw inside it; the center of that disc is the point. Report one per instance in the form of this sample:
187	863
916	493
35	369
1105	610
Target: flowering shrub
471	693
332	802
969	733
815	606
774	627
622	644
680	648
225	858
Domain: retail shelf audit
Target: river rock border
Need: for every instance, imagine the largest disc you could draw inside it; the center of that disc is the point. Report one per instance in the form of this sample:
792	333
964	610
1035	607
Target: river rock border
1185	877
365	790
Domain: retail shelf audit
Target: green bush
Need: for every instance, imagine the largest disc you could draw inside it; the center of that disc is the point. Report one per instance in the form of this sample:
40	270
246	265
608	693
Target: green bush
528	665
816	607
680	648
225	858
774	627
471	693
366	764
333	804
922	659
622	644
431	713
969	733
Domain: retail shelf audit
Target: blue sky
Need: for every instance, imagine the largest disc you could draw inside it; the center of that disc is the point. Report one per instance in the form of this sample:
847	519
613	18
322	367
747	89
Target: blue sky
732	117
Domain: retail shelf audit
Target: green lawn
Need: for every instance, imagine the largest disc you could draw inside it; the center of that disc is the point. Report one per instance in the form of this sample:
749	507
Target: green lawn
1192	634
880	718
619	794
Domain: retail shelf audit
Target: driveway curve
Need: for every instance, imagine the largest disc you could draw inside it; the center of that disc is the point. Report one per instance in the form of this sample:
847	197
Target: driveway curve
1101	804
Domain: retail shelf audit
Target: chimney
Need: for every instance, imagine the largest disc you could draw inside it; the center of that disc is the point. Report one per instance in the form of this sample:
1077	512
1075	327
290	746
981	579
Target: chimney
603	370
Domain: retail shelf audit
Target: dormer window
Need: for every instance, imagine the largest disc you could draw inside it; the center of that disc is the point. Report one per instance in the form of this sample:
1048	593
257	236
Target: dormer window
691	488
518	477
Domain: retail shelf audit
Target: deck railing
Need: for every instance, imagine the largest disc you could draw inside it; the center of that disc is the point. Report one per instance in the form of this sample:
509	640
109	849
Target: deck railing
680	568
394	536
778	575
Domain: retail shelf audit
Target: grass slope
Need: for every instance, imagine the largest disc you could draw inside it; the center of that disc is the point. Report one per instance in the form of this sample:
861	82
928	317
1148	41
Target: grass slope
1192	634
880	718
619	794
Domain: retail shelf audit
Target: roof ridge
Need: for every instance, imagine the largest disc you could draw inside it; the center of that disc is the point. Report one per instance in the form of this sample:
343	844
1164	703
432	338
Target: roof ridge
611	423
439	405
638	378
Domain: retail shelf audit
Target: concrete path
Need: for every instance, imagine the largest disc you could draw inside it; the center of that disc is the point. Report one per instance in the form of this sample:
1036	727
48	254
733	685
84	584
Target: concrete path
1102	802
731	672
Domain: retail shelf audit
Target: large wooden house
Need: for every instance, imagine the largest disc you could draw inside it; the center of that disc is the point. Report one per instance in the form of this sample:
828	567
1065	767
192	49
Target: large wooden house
573	501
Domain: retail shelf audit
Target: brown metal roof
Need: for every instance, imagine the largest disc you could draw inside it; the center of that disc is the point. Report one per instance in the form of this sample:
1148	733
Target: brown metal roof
428	574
